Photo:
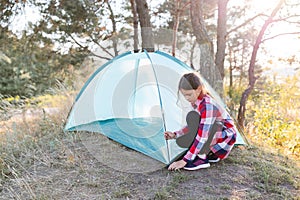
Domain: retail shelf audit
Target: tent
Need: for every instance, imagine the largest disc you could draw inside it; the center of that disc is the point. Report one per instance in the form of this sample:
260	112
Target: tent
133	99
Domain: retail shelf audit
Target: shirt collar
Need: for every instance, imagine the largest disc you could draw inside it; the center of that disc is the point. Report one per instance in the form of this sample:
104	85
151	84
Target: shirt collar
198	101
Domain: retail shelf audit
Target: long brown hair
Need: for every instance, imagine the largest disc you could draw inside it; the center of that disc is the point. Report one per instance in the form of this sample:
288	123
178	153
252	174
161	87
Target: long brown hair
191	81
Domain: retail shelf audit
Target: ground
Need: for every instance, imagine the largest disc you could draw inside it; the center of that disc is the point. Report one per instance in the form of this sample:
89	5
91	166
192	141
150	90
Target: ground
76	170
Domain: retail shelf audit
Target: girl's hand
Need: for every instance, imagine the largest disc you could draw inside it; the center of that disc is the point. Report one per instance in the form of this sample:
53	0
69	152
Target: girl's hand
177	165
169	135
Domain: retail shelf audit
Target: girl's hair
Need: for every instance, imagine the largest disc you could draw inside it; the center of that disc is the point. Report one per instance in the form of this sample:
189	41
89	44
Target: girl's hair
191	81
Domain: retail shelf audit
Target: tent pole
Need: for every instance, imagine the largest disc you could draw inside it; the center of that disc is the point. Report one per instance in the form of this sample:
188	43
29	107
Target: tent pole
160	102
165	129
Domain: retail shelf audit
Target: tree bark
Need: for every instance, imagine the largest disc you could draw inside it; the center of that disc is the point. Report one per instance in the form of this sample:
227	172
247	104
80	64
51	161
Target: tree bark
251	70
146	27
221	36
175	26
135	26
207	68
231	67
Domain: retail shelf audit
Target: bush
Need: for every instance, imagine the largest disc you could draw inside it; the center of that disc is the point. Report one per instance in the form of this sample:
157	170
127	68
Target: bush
276	114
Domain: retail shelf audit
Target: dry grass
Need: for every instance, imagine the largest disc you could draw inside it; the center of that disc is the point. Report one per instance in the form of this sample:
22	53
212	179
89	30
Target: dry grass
39	161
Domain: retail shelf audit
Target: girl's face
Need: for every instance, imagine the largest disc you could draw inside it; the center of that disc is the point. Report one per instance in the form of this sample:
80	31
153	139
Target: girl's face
191	95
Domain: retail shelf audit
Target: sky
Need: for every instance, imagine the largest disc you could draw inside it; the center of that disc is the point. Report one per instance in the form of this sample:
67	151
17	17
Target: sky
28	15
276	46
280	47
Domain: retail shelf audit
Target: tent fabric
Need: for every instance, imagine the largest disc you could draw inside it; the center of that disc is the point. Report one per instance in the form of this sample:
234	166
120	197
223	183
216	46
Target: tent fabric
133	99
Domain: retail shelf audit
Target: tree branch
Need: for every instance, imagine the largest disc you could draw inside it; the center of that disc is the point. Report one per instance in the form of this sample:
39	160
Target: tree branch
101	46
80	45
251	75
246	22
114	26
281	34
285	19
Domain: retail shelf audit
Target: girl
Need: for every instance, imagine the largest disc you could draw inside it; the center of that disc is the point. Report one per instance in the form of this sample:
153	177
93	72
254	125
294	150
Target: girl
209	111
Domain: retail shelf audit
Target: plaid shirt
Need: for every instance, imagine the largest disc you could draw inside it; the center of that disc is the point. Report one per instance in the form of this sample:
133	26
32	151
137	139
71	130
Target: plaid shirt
223	141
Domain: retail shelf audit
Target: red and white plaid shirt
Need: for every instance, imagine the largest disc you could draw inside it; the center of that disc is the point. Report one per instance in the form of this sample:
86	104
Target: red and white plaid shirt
223	141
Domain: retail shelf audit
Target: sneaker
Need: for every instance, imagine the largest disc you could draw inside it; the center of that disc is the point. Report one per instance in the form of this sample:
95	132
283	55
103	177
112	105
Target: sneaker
212	158
197	163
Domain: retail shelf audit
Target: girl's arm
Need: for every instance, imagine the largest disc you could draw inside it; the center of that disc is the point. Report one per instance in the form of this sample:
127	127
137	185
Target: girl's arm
182	131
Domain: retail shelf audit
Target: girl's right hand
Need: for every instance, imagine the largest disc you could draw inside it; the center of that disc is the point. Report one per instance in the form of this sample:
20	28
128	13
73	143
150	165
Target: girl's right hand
169	135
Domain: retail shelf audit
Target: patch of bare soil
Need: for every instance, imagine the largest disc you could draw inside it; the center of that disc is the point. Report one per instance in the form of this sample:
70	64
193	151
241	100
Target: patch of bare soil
93	167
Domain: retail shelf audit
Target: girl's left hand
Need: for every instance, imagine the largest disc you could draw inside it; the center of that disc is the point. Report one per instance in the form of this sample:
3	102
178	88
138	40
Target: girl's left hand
177	165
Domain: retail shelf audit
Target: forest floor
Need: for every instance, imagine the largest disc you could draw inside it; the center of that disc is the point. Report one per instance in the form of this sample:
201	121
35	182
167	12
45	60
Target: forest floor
51	164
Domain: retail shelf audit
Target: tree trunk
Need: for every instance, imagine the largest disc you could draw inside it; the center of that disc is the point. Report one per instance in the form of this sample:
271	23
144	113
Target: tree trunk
208	68
230	74
135	26
242	64
192	54
175	26
221	36
179	8
251	74
146	27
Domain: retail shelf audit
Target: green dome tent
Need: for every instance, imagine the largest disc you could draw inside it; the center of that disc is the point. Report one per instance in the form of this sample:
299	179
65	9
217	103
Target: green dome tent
133	99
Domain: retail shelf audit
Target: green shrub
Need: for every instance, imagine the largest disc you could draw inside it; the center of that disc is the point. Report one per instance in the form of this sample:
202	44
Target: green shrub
276	114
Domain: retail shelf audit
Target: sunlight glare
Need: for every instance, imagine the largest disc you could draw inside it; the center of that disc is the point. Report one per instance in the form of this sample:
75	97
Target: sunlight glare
263	5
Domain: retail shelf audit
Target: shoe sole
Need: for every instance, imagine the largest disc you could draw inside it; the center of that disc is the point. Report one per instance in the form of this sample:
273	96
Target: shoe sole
198	167
214	161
